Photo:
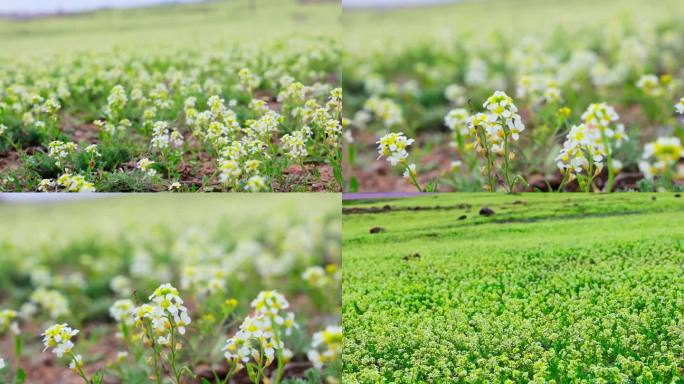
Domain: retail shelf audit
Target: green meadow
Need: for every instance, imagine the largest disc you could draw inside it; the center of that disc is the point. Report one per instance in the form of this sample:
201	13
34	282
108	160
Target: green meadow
516	18
194	25
548	289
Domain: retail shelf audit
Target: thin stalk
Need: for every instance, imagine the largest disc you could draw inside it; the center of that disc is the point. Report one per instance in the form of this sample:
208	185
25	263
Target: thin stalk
413	179
609	158
79	369
506	176
260	369
230	374
276	337
173	352
490	163
566	177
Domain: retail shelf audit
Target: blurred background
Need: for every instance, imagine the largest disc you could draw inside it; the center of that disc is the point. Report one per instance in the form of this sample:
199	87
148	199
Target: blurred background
58	26
33	7
391	3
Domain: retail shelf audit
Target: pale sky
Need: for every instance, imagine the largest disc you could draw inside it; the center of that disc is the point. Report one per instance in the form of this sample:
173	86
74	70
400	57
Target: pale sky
389	3
40	6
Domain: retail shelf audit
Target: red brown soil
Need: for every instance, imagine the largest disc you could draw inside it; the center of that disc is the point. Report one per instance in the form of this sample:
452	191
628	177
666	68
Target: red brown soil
296	176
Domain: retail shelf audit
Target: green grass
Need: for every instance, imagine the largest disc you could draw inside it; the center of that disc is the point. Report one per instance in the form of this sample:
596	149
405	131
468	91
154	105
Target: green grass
551	288
169	27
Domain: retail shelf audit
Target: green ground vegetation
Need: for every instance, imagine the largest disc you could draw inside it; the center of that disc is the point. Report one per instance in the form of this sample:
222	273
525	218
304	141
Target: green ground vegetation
548	289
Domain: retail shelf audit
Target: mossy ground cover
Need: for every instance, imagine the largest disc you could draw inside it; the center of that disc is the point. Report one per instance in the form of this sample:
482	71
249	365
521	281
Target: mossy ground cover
548	289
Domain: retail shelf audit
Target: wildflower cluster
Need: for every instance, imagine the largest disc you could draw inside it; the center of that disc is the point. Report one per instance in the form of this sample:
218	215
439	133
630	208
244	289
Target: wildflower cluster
157	333
58	338
679	107
51	301
330	341
493	132
229	119
394	147
423	85
320	277
260	337
161	322
660	159
9	321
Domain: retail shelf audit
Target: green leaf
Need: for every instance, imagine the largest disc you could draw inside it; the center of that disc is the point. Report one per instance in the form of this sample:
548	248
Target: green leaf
353	184
20	376
251	372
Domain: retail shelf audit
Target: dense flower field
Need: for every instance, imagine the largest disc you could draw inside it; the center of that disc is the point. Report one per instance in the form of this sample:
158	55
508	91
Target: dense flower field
227	116
593	105
537	289
217	290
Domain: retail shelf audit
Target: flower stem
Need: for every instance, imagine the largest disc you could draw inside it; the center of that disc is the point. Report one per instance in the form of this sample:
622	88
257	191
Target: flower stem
79	369
506	175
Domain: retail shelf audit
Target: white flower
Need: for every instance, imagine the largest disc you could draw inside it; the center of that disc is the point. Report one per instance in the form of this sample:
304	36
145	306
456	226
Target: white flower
255	183
262	329
457	118
502	108
552	94
238	348
76	363
581	144
230	171
315	276
600	114
665	149
45	185
679	107
393	145
385	109
8	321
73	183
455	94
59	150
122	311
270	302
121	285
326	346
167	304
58	337
116	100
52	301
650	85
295	144
410	171
92	150
617	165
661	156
145	165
